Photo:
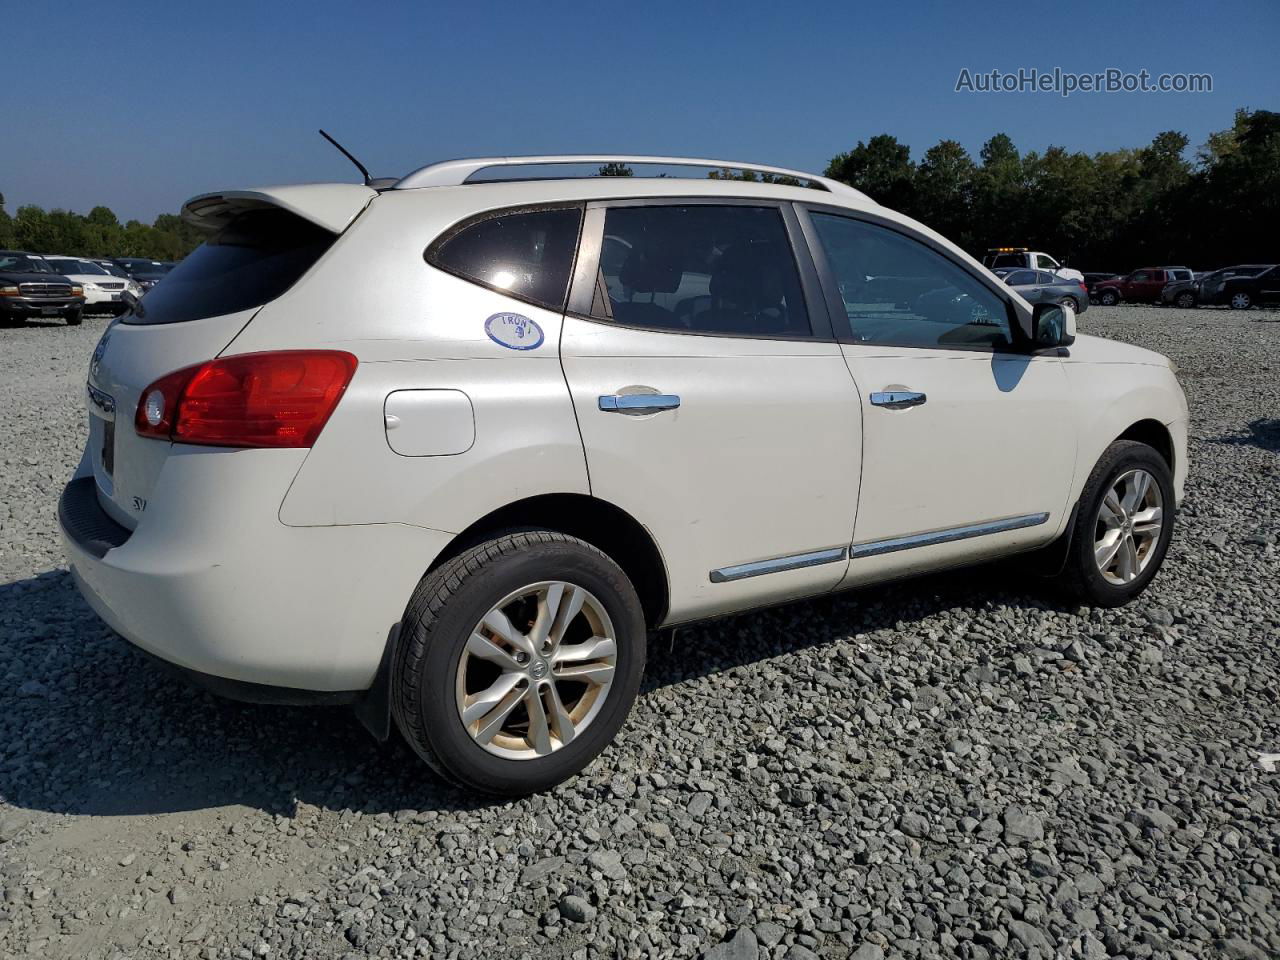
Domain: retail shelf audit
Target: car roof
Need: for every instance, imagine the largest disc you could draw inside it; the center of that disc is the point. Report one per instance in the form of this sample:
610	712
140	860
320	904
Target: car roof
450	173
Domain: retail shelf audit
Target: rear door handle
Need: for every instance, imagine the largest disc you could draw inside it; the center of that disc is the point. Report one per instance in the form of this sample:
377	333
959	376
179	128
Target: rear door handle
638	402
897	399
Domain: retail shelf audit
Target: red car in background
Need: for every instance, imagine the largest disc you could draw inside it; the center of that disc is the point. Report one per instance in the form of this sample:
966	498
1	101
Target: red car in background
1141	286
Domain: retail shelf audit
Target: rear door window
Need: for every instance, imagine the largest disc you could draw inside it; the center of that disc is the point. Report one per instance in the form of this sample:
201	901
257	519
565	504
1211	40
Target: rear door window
527	254
247	263
700	268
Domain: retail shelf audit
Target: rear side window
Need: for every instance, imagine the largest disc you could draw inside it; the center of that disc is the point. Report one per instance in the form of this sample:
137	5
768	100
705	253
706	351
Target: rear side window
700	269
524	253
250	261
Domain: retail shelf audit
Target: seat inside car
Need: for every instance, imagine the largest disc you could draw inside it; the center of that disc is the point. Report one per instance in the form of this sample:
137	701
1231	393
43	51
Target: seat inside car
749	294
647	272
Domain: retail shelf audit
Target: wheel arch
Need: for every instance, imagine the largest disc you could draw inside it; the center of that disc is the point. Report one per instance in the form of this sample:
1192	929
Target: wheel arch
599	523
1155	435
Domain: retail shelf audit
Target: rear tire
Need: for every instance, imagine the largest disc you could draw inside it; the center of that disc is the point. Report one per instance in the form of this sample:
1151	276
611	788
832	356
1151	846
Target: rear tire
1071	302
1108	298
1241	301
530	725
1186	300
1089	574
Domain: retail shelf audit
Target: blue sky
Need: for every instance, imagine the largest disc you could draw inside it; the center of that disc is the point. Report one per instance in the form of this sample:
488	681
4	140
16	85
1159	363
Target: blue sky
141	105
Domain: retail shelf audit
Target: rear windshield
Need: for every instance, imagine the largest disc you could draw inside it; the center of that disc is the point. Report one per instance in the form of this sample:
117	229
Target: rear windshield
251	261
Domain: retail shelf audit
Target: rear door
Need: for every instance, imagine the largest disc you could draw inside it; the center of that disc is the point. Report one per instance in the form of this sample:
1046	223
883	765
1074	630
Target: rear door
714	404
969	445
1269	286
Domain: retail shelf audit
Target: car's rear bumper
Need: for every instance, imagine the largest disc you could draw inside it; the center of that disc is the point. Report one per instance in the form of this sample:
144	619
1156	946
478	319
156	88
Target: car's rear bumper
211	581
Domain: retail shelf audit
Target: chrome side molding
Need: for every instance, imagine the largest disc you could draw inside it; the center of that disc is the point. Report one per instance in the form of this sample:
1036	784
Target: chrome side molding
876	547
793	562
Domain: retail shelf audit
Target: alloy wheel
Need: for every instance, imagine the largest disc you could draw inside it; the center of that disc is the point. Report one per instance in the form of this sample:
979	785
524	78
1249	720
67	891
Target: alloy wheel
1128	527
536	670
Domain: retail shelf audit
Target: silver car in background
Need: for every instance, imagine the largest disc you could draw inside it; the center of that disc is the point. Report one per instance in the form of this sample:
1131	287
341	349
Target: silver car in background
1041	286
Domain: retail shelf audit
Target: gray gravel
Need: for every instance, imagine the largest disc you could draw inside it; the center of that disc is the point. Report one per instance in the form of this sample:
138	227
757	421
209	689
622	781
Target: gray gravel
951	767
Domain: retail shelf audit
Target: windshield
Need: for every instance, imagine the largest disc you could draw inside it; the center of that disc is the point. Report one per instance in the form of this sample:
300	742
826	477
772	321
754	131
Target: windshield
75	266
114	270
1010	260
21	263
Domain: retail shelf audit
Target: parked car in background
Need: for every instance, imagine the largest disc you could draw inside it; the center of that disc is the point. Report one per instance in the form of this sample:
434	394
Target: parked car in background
112	268
1249	286
744	400
29	288
1041	286
1029	259
146	273
103	293
1141	286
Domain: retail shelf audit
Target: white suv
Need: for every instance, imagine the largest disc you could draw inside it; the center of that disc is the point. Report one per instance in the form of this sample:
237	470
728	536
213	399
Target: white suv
449	450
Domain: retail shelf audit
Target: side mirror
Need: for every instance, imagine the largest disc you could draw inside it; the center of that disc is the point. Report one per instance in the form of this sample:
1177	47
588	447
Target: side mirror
1053	325
129	299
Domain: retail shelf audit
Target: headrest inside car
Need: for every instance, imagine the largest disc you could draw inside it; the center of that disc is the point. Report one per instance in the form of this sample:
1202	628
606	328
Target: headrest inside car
747	275
651	271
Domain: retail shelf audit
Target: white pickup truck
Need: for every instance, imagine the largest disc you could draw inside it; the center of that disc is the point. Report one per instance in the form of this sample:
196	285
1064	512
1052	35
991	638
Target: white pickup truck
1021	257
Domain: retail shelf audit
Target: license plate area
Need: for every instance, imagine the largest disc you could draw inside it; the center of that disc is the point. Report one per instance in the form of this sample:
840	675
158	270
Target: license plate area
102	434
109	447
50	311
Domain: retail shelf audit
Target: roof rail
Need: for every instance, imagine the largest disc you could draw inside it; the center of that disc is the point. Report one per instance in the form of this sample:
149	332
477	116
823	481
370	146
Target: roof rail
452	173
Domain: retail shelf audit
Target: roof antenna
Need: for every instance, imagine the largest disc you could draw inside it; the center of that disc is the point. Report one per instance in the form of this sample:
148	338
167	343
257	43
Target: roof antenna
346	153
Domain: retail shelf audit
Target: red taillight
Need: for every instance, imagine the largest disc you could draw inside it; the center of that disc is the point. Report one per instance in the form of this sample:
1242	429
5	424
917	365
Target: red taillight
1083	287
277	399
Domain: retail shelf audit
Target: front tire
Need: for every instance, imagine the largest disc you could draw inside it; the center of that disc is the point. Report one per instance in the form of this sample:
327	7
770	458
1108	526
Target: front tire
1122	528
518	661
1185	300
1108	298
74	317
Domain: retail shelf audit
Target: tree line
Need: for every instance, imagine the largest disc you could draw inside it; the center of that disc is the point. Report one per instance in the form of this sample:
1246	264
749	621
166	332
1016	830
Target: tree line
1115	210
99	233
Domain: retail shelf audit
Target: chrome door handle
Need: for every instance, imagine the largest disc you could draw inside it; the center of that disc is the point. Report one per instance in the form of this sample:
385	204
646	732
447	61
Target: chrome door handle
897	399
639	402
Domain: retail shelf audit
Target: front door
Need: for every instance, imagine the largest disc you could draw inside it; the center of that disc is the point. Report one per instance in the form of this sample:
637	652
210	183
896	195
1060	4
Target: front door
714	405
968	446
1269	286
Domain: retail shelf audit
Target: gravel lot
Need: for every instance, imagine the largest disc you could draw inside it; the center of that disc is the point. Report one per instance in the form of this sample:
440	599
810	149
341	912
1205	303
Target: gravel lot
949	767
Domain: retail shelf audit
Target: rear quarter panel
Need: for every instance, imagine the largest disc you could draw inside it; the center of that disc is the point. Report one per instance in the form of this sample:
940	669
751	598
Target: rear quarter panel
415	327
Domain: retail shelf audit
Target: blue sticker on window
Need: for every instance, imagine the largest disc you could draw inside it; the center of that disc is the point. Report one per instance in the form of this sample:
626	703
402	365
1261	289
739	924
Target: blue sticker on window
513	331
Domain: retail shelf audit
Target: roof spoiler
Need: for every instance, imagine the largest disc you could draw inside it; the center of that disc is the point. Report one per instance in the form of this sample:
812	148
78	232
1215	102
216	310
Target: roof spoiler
329	205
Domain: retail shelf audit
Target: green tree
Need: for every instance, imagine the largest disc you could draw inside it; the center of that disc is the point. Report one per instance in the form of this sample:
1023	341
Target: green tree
880	168
6	226
615	170
944	185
